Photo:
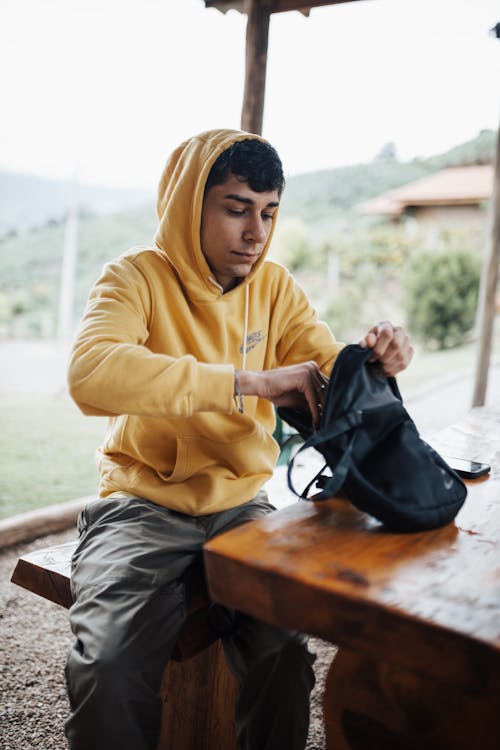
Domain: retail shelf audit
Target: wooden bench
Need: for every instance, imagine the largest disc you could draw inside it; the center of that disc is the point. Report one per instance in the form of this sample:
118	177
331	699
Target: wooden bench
198	690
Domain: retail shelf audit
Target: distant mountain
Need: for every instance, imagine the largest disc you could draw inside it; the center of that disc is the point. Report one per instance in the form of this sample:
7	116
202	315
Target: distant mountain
28	201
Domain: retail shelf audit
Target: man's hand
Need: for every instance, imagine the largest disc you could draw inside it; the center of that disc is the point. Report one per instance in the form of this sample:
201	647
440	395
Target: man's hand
391	347
300	386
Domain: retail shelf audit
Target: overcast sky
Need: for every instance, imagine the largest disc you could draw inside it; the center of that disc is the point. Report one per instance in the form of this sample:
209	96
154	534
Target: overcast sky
107	88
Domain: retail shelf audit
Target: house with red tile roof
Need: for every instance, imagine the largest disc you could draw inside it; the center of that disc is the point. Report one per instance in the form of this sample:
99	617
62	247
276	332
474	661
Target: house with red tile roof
456	196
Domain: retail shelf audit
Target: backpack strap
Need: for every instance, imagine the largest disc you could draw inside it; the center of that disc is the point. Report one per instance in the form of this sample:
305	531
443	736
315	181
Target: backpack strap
340	426
343	424
305	491
335	482
393	413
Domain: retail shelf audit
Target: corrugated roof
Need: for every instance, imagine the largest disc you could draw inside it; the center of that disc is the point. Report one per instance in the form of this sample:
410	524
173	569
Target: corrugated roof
454	186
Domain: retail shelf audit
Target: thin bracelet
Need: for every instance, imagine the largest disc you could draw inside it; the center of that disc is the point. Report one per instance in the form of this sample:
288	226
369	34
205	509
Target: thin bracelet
238	396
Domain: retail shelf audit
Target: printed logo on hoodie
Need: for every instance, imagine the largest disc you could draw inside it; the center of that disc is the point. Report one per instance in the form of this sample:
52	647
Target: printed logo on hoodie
253	340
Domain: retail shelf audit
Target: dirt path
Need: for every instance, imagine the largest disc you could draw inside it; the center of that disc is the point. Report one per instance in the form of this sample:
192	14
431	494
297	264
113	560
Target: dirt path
32	367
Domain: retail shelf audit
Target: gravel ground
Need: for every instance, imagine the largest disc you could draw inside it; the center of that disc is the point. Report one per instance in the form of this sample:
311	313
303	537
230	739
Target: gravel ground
34	639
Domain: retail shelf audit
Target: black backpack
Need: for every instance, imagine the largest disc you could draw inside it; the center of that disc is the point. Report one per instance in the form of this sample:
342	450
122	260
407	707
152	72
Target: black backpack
377	458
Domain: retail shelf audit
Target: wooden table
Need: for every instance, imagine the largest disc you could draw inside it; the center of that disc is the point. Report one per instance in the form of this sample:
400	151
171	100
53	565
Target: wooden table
416	616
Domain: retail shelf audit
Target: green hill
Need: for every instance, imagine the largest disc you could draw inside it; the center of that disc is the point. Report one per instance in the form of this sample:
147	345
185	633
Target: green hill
328	198
30	261
479	150
30	266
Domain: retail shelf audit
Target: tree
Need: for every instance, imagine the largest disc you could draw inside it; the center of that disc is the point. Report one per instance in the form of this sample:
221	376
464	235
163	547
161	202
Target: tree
388	152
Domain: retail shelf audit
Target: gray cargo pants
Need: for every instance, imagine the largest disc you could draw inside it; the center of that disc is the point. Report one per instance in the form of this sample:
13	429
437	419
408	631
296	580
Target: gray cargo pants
129	608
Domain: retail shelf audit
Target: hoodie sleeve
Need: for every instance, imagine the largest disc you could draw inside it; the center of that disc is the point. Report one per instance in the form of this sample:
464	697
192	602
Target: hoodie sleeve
112	371
301	335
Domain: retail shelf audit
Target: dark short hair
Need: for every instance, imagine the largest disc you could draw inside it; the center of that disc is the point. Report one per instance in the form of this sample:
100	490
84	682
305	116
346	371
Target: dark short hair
254	162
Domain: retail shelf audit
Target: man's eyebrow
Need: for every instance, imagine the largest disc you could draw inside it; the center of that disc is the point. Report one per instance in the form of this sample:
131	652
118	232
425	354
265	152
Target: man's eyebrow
249	201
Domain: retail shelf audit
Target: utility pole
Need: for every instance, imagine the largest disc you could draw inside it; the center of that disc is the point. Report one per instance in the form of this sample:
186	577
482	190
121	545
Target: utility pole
68	267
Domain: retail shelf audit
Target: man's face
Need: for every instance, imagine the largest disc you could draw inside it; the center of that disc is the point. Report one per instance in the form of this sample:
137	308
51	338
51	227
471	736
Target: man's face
235	224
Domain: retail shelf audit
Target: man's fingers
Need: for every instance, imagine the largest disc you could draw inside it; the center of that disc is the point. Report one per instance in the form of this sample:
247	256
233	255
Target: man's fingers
391	347
384	332
399	361
314	407
315	393
379	338
369	341
320	384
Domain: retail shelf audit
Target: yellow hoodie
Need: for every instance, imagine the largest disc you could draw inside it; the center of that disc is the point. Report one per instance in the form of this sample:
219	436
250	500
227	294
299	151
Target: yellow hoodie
157	349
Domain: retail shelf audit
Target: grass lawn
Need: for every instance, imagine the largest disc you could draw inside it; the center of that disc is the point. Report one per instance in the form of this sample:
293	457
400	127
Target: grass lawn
47	448
427	366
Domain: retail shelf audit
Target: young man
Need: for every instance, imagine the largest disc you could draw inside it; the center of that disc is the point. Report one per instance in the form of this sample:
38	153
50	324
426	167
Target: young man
187	347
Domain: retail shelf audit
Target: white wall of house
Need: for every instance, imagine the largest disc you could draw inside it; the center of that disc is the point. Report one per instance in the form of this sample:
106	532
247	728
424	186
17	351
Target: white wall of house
456	217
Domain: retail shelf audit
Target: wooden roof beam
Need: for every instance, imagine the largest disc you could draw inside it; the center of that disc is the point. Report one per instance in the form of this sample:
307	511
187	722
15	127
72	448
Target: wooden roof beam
275	6
281	6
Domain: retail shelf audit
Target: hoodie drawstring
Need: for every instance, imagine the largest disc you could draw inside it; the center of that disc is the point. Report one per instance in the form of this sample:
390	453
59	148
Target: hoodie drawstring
238	396
245	328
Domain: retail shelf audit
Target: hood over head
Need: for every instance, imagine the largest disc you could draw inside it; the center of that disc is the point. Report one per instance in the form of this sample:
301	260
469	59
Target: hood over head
179	208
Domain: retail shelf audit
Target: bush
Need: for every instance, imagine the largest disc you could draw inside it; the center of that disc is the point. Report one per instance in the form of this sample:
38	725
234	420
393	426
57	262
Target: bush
441	297
290	244
344	313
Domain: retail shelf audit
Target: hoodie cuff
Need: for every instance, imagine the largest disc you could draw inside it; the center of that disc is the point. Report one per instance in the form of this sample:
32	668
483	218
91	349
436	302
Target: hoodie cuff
215	388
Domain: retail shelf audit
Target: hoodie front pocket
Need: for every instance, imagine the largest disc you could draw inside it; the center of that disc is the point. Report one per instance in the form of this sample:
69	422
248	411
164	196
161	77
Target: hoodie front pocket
182	469
197	456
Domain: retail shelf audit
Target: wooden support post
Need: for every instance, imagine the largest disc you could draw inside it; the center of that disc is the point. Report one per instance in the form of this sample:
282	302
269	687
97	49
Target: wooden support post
259	13
489	281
